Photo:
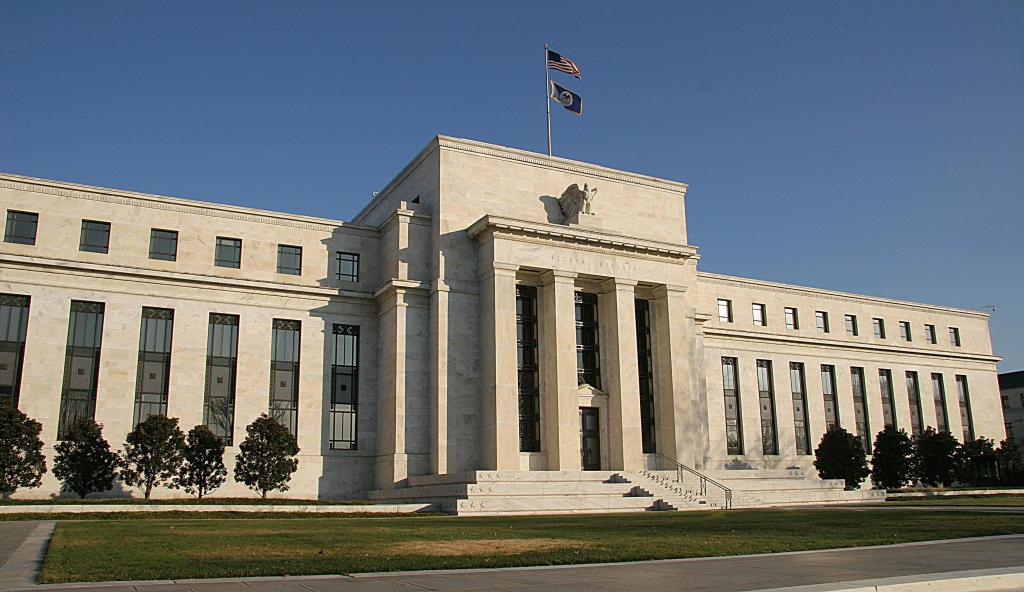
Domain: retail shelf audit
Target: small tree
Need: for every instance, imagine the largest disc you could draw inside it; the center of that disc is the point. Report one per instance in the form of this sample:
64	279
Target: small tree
203	469
266	459
976	462
22	463
1008	459
84	462
153	453
935	457
892	464
840	455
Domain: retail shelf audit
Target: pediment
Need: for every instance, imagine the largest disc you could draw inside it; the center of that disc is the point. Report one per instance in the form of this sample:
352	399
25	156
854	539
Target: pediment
589	390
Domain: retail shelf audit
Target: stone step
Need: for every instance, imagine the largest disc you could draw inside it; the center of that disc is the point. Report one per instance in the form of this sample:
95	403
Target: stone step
493	488
540	504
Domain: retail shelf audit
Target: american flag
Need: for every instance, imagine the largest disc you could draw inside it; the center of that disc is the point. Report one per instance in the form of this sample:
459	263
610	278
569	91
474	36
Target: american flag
557	61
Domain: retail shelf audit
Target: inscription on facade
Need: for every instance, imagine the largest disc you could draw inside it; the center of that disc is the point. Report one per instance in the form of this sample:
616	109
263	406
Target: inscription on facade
577	261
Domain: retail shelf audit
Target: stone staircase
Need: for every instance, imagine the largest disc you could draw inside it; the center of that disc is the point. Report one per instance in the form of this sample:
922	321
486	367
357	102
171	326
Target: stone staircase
766	488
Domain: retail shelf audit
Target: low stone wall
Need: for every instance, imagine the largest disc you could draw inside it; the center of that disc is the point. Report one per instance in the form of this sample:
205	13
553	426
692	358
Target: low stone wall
954	492
260	508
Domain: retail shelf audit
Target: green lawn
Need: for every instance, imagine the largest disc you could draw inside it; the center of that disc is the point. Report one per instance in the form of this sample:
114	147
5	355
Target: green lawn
1015	500
161	548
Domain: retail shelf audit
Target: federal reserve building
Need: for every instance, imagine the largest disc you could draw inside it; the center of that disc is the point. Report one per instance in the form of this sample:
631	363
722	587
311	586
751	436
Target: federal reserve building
497	331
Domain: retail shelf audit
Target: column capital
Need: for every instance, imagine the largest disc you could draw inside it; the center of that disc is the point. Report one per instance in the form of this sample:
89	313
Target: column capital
665	290
498	269
557	276
618	284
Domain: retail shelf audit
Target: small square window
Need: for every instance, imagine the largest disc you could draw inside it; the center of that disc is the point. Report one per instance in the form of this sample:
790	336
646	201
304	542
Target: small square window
95	237
21	227
347	266
792	318
289	259
228	252
929	334
851	325
821	317
879	325
760	315
954	337
905	331
163	244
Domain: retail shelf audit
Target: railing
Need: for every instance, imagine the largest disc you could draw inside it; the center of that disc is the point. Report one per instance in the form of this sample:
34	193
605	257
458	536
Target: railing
683	471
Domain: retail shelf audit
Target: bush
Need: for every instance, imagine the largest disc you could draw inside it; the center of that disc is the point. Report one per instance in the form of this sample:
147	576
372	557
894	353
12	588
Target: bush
840	455
22	463
935	457
892	465
976	462
84	462
153	453
266	458
203	468
1009	463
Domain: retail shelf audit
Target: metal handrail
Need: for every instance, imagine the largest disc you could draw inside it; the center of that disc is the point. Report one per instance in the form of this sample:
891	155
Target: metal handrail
703	479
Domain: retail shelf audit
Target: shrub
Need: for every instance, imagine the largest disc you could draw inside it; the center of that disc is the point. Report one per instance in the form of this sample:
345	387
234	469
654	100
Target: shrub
840	455
935	457
84	462
1009	463
892	465
976	462
203	468
153	453
266	459
22	463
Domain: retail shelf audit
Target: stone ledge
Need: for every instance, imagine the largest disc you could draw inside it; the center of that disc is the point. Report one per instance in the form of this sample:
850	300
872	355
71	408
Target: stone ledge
269	508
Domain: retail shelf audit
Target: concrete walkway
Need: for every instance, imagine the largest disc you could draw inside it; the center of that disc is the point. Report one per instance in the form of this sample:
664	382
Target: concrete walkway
22	545
865	566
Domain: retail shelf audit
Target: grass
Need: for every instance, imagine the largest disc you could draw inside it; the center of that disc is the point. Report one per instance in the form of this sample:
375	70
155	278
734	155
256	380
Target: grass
206	501
1003	499
161	548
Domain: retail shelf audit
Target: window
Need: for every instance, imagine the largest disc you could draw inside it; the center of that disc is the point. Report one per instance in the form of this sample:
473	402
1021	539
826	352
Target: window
345	388
163	244
821	318
228	252
289	259
905	331
645	370
347	266
851	325
888	401
81	364
792	318
914	394
766	399
21	227
879	325
152	380
929	334
13	328
939	396
724	310
954	337
860	408
588	354
828	390
221	374
529	373
285	345
733	424
95	237
962	395
801	425
760	315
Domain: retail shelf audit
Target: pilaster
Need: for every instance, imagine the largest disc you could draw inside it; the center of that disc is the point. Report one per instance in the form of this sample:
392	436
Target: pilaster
499	408
558	386
618	322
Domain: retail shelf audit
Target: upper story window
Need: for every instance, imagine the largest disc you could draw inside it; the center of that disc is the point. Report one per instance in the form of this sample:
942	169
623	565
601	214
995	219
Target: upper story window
347	266
588	350
289	259
851	325
724	310
760	315
792	318
954	337
21	227
95	237
821	317
929	334
228	252
879	325
905	331
163	244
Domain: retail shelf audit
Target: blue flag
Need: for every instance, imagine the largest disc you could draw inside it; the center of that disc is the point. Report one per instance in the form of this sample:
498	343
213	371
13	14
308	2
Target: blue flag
568	99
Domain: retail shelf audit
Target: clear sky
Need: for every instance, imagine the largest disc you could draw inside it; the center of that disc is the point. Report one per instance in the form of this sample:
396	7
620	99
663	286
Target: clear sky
873	147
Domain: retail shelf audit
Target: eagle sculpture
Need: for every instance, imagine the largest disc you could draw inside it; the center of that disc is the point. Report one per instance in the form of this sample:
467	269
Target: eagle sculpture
577	201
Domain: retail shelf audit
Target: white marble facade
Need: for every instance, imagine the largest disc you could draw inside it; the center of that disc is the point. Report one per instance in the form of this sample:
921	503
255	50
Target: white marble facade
442	249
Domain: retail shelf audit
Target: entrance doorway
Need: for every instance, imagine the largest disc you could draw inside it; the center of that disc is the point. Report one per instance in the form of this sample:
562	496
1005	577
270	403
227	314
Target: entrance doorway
590	439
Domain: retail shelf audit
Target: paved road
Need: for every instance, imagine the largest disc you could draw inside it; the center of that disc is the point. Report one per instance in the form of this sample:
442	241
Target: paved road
754	572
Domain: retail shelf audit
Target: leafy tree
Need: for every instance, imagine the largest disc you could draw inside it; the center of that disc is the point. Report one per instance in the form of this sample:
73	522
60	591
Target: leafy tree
203	469
22	463
935	457
892	464
1008	459
84	462
153	453
976	462
840	455
266	459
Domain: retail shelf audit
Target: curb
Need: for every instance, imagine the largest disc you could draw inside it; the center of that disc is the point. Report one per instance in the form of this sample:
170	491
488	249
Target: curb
978	580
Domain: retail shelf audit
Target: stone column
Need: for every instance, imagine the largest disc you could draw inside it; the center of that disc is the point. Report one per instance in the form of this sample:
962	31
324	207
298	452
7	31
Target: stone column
618	323
500	407
392	460
558	387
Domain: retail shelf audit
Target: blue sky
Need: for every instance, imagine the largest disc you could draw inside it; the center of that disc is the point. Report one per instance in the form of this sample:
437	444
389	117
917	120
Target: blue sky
873	147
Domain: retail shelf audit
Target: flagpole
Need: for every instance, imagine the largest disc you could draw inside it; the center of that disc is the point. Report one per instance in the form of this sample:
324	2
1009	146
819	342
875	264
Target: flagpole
547	91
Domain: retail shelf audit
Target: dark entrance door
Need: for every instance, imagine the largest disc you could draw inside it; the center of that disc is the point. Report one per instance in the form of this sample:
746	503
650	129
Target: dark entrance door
590	439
